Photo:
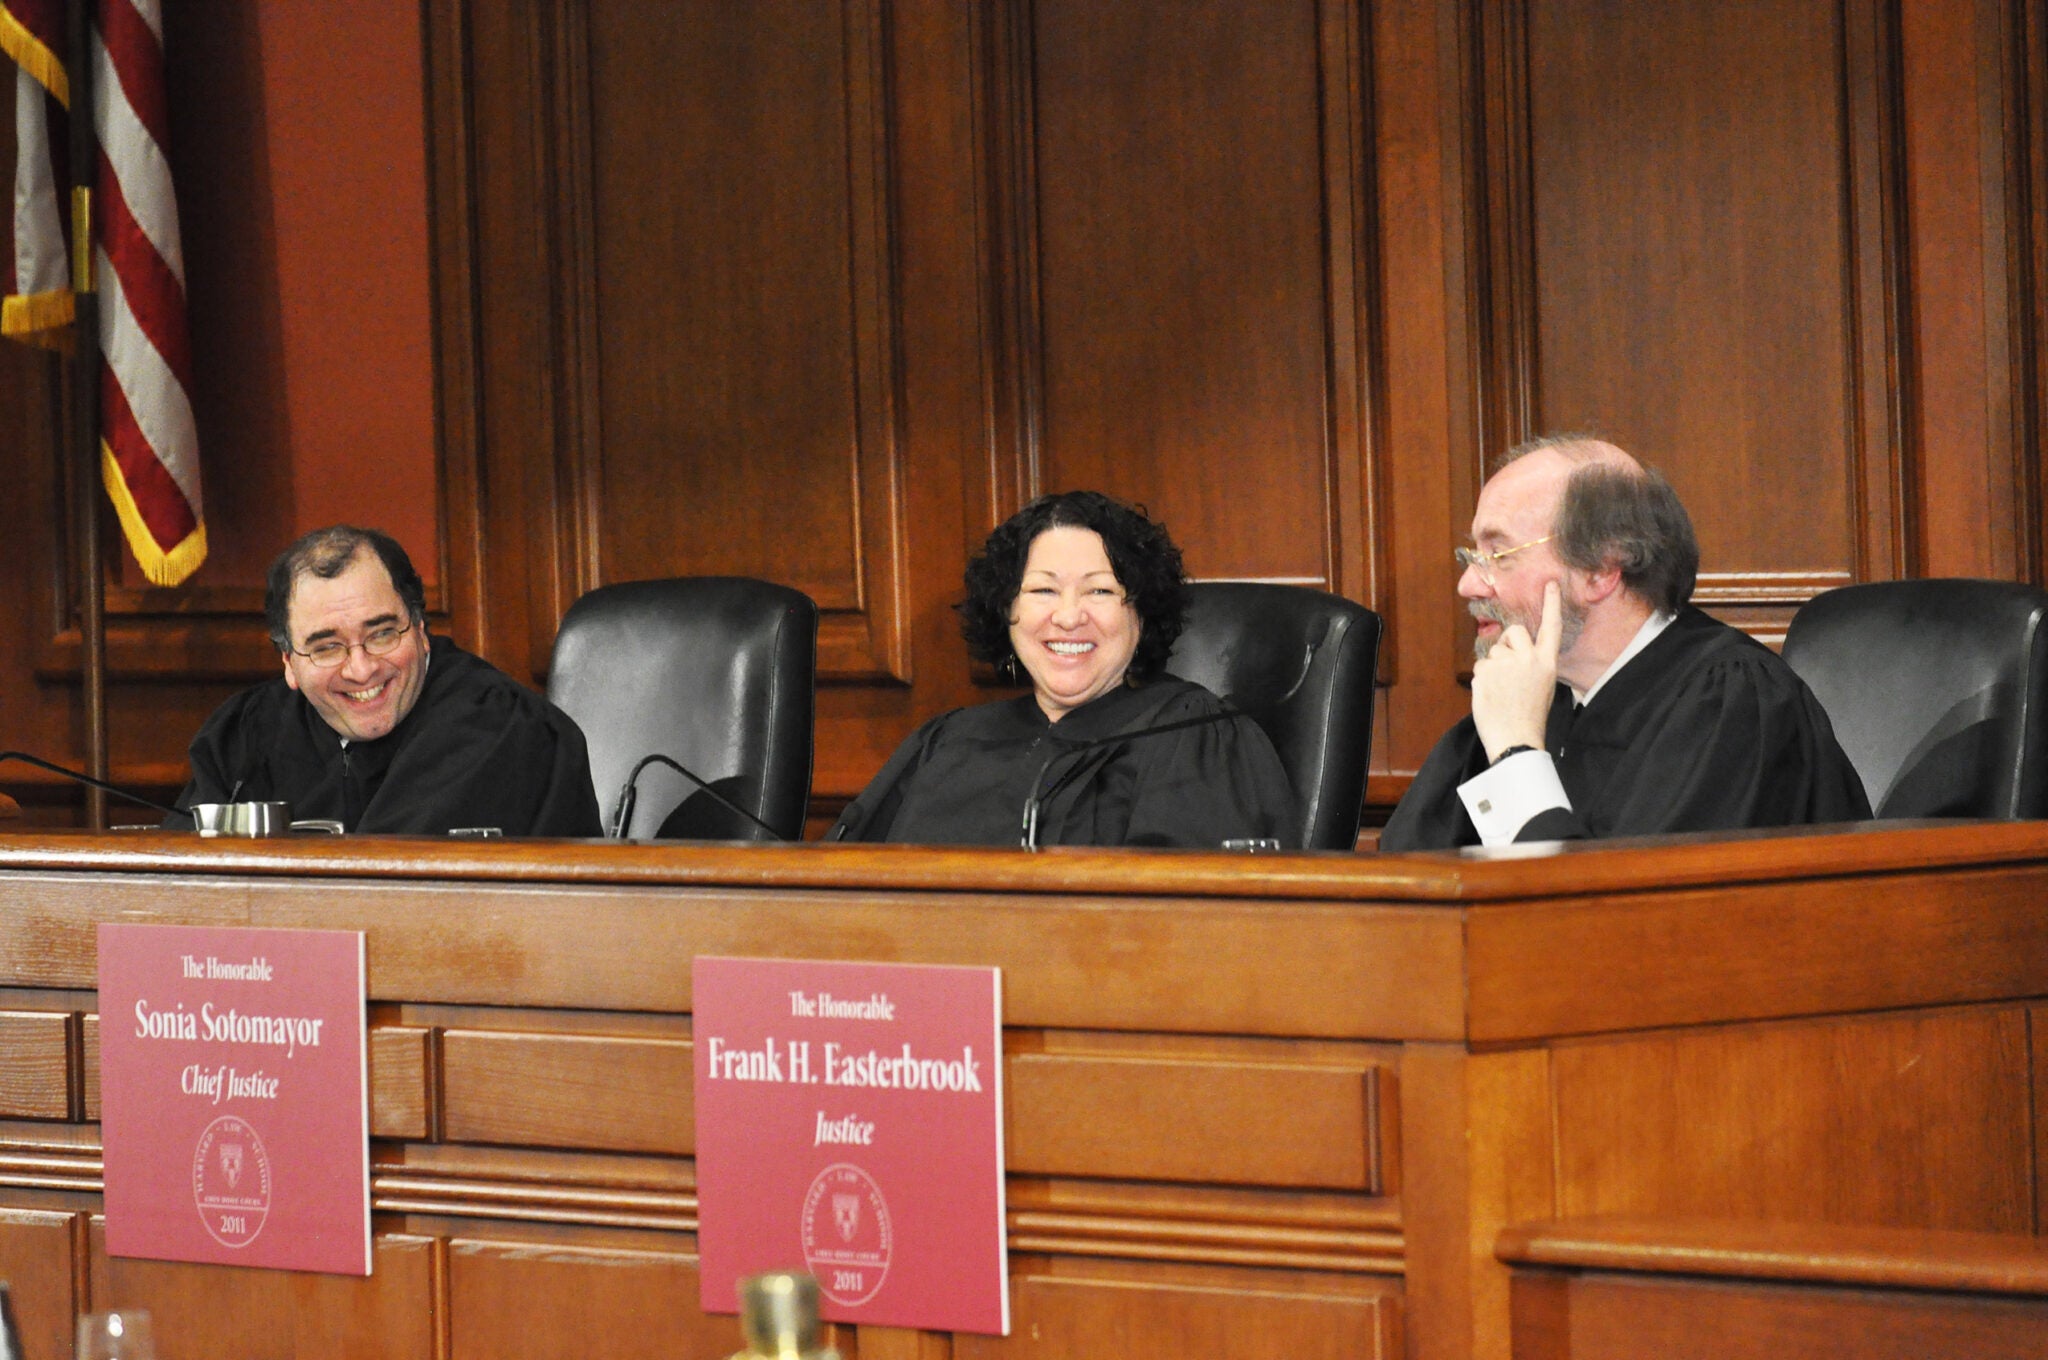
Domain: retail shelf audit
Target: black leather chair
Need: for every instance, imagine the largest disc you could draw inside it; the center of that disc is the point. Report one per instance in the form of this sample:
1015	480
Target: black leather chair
715	672
1938	692
1301	664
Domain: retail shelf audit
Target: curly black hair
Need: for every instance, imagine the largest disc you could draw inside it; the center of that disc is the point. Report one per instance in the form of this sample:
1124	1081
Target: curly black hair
1141	553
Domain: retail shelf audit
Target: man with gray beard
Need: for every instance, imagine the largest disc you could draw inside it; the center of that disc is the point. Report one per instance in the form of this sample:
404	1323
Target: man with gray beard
1603	703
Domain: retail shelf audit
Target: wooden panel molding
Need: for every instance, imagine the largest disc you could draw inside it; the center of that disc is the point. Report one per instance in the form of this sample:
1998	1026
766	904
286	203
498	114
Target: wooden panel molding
1794	1252
743	310
1183	1114
1622	1317
1659	266
244	1311
1159	1312
1182	220
2037	1048
1587	1289
628	1094
571	1299
89	1065
35	1065
38	1249
1207	1225
401	1081
2026	84
635	357
541	991
1932	1112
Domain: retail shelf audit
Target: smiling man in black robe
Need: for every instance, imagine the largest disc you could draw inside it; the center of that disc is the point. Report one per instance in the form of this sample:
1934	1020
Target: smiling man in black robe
1604	704
378	726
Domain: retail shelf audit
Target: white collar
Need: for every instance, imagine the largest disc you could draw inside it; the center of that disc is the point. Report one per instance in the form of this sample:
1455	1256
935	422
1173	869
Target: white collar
1645	635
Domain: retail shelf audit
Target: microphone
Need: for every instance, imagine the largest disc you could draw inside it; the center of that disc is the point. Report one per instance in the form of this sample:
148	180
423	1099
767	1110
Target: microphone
622	810
1039	793
83	778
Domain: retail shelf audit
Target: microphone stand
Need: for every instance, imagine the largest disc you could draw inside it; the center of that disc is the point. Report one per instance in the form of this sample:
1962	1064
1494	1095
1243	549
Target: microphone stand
622	811
1029	837
88	779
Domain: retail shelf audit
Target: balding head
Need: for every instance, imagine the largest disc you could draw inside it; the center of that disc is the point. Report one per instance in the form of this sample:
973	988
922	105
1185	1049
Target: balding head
1570	451
1607	510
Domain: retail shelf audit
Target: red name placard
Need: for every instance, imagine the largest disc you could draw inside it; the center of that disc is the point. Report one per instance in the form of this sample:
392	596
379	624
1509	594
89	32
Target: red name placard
849	1122
233	1096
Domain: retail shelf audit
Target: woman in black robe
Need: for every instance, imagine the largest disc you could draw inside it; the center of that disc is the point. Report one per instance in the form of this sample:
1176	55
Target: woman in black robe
1083	596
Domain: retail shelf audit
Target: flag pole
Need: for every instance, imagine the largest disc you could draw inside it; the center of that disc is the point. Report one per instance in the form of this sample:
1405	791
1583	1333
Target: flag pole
85	406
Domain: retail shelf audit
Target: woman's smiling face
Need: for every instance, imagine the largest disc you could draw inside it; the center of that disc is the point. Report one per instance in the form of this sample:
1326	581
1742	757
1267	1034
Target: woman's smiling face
1072	627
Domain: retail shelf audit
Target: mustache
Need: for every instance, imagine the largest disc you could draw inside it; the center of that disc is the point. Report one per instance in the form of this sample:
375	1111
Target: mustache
1488	611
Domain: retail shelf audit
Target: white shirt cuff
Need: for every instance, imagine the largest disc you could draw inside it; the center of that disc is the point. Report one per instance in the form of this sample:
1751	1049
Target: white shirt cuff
1501	800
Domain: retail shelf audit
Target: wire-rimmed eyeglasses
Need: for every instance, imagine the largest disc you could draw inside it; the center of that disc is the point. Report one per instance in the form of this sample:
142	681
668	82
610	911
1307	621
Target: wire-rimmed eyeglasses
1489	562
331	652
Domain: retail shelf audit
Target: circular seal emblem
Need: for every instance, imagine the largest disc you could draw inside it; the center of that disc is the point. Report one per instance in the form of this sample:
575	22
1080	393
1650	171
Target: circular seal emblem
846	1233
231	1181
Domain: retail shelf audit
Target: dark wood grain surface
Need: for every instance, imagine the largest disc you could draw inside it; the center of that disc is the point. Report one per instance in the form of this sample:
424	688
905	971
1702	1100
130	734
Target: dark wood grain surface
820	291
1604	1289
1286	1104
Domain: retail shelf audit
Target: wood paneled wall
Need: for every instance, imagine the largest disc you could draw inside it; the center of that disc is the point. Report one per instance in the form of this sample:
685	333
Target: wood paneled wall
297	137
821	290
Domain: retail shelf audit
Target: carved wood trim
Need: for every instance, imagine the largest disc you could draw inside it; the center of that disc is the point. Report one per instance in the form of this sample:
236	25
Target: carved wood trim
450	126
1006	183
873	642
1356	549
1347	285
2026	115
867	642
495	170
1009	472
1509	397
1885	464
1503	228
1765	587
35	1064
578	480
1099	1218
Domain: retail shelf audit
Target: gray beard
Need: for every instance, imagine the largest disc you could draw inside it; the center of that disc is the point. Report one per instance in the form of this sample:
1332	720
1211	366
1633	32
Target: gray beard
1572	618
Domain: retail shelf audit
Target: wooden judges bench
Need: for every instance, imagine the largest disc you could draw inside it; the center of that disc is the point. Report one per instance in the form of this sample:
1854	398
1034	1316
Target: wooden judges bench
1276	1106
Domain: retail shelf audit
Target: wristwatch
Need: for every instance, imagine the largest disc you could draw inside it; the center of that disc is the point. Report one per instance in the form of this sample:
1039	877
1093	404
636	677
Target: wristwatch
1511	751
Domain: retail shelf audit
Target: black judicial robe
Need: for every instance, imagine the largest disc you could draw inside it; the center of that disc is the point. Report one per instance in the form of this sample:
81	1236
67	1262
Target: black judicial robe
1705	729
478	749
965	776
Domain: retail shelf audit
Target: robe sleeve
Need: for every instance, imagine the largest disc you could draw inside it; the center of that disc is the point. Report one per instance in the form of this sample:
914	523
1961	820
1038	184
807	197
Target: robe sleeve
221	759
1737	746
490	755
568	805
869	816
1430	815
1211	784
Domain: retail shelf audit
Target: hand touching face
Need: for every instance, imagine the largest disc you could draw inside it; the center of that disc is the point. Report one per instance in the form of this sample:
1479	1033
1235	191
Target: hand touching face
1514	681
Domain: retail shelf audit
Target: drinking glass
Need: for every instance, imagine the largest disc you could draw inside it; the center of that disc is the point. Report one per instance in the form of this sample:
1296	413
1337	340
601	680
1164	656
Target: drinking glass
122	1335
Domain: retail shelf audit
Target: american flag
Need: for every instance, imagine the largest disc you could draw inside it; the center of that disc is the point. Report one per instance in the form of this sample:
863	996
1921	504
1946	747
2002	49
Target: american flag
149	447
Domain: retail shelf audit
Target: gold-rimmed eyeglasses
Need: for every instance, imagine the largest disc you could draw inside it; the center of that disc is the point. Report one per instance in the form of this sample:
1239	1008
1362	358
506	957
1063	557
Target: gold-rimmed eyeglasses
331	652
1489	562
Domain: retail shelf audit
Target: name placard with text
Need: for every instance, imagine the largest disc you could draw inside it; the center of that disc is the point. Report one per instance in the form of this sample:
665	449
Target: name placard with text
850	1123
234	1096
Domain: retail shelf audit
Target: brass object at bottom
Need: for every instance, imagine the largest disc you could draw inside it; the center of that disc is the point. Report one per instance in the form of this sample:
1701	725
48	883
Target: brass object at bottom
779	1317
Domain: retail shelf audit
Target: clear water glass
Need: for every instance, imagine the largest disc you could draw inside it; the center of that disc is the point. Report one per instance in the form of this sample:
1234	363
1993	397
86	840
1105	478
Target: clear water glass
123	1335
